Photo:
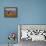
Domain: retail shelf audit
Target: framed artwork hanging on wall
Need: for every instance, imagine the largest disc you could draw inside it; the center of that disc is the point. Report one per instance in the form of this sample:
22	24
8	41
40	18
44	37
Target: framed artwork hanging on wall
10	11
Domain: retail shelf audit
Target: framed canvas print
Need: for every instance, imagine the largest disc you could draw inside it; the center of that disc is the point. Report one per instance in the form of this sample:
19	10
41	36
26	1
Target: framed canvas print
10	12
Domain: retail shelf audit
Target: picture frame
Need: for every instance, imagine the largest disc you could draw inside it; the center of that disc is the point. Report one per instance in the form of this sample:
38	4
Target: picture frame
10	11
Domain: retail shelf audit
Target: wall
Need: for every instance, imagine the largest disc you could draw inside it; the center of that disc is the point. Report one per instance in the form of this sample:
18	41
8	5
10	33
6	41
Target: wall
29	12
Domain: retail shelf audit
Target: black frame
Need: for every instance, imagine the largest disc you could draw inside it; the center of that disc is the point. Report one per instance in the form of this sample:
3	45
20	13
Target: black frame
10	16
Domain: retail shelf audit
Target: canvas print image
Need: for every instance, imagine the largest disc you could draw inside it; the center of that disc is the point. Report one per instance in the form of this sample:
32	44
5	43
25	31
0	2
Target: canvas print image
10	12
